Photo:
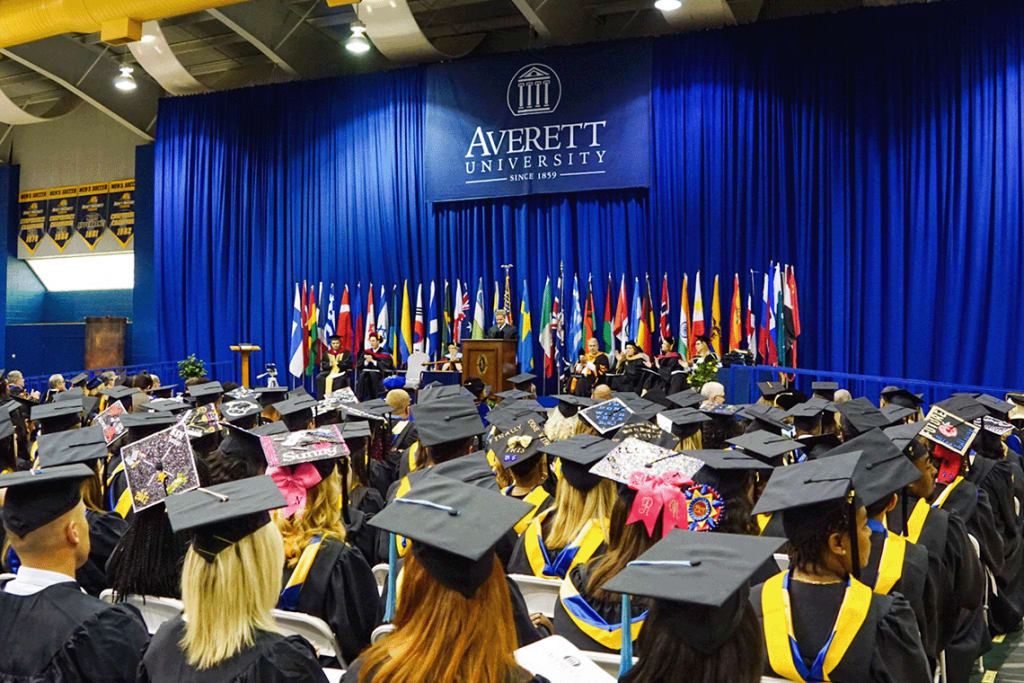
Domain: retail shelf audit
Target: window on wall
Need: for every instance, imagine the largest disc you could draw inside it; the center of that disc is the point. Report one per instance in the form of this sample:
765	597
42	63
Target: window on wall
86	272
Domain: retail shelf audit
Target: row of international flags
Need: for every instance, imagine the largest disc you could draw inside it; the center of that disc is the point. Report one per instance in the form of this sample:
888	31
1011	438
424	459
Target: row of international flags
769	329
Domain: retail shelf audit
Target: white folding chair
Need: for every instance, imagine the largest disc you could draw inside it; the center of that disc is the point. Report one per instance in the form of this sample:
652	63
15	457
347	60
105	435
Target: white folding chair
333	675
381	632
782	559
155	611
7	577
414	369
313	629
380	574
541	595
608	662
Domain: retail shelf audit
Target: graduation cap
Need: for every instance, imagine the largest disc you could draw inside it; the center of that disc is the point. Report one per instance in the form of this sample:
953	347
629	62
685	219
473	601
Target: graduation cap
633	455
476	386
644	408
93	383
862	415
58	416
270	395
79	379
825	389
606	416
118	393
949	430
816	445
687	398
995	406
902	397
964	407
321	446
769	390
764	446
269	429
513	395
242	393
570	404
522	380
726	461
507	417
245	444
721	410
901	435
242	412
443	517
74	394
163	391
701	582
355	430
682	422
578	454
140	425
767	418
625	395
519	444
789	398
446	420
440	391
165	405
159	465
6	426
896	413
204	393
639	428
473	468
84	445
36	497
297	411
882	470
806	415
220	516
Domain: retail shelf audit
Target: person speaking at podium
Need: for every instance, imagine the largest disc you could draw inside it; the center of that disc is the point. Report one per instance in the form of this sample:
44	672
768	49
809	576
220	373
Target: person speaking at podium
502	329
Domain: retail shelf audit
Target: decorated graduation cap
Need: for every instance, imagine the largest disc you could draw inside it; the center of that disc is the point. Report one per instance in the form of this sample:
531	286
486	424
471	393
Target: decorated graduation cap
298	461
577	455
862	415
701	583
454	528
607	416
58	416
222	515
639	428
242	412
682	422
902	397
204	393
952	437
297	411
159	465
522	380
36	497
446	420
519	444
268	396
688	398
826	390
765	446
769	390
85	445
570	404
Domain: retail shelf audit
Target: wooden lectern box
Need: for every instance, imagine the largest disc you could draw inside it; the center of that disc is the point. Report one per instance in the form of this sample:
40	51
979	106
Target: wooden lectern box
492	360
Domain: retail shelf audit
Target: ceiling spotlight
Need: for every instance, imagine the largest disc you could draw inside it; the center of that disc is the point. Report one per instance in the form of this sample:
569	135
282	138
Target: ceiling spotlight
357	42
668	5
125	81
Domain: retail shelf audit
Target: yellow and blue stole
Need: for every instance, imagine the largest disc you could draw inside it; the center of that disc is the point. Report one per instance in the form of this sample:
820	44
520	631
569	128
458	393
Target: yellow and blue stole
289	599
783	650
32	450
944	496
588	620
401	542
581	549
536	497
915	523
413	450
762	523
124	501
890	564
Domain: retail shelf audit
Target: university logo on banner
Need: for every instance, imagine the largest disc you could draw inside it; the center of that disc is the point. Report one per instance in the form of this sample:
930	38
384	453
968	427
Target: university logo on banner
32	219
60	223
122	210
92	213
558	122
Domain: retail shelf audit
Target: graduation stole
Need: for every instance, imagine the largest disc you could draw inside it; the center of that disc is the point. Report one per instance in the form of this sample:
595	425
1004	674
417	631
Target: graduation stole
941	500
590	622
32	450
890	564
915	524
762	522
401	542
289	599
536	497
124	502
783	651
579	550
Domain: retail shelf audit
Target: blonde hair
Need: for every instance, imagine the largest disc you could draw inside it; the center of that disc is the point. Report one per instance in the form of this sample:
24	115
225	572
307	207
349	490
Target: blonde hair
574	508
322	517
228	600
92	489
398	399
694	442
559	427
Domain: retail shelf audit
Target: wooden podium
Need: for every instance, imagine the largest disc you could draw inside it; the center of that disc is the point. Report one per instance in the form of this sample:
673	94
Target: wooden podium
492	360
245	350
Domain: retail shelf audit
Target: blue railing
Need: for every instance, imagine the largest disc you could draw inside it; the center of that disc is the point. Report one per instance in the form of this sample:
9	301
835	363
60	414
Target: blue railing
741	383
221	371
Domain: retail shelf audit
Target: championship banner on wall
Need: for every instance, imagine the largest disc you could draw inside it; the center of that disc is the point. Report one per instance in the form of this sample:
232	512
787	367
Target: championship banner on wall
92	213
32	218
62	205
556	122
122	210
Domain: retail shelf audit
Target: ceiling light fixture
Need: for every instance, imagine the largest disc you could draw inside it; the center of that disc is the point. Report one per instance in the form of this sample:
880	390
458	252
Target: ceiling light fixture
124	81
668	5
357	42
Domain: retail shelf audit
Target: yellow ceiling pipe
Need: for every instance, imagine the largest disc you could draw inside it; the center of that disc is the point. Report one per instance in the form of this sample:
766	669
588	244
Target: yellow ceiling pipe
22	21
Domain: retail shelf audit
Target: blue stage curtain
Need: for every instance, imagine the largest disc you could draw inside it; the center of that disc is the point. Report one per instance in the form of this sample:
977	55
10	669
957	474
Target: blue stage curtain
879	152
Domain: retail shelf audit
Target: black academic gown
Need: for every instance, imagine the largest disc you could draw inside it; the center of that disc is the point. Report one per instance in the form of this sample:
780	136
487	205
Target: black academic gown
341	590
632	370
363	537
62	634
585	383
273	658
506	332
373	367
886	649
914	584
354	675
343	361
609	612
105	532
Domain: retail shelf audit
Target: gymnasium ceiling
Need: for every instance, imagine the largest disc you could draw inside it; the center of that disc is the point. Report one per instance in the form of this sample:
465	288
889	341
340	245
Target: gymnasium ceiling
269	41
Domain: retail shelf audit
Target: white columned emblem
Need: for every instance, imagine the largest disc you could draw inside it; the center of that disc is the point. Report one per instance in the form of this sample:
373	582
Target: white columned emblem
535	89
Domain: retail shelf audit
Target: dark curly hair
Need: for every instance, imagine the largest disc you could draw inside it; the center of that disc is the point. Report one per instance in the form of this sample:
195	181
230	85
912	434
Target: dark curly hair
808	528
